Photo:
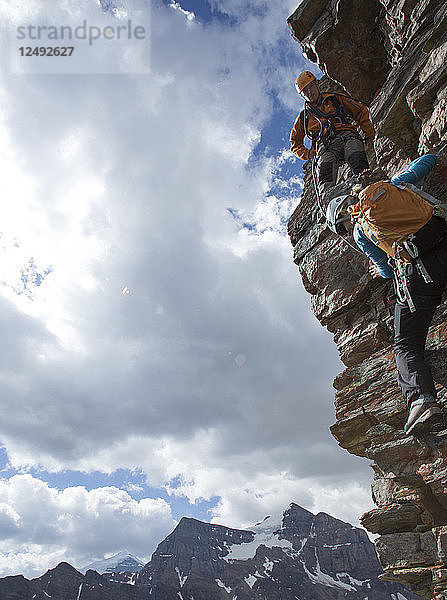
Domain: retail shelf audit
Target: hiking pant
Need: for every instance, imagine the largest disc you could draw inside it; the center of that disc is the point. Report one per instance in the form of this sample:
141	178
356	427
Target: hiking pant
346	146
411	329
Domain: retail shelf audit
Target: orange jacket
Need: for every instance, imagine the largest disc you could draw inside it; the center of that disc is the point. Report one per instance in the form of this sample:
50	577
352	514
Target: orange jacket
353	108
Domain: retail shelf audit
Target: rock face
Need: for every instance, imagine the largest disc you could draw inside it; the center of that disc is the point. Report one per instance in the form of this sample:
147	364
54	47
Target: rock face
393	54
296	555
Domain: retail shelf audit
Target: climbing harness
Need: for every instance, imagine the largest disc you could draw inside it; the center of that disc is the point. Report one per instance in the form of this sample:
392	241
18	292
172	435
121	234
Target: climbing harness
326	133
439	210
413	251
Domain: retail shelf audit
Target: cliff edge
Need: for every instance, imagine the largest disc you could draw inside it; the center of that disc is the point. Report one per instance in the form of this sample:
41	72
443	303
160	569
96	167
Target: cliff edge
392	54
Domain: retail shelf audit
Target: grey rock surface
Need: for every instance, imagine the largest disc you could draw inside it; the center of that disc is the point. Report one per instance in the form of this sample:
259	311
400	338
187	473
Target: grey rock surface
408	105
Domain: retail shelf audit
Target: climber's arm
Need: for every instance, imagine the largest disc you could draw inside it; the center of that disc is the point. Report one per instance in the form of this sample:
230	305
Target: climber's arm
417	169
297	139
373	252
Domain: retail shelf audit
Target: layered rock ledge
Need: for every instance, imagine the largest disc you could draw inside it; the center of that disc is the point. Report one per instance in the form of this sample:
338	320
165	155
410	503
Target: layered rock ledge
393	55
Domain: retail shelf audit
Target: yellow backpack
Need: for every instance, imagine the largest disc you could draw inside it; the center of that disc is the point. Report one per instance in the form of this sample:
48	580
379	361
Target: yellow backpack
390	213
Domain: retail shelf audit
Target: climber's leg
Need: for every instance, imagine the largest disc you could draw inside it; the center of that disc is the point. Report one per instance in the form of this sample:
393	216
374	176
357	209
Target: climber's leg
328	158
355	154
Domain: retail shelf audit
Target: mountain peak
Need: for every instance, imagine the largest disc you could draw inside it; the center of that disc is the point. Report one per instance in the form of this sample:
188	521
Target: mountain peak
123	562
63	569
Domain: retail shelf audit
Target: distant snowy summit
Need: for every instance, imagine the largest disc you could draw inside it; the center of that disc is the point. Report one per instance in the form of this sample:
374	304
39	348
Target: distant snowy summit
123	562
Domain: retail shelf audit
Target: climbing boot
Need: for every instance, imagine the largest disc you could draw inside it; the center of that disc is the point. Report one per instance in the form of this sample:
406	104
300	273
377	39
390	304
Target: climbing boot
424	415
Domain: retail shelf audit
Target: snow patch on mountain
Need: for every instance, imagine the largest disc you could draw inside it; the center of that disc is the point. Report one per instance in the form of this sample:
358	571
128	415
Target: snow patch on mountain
268	566
222	585
325	579
357	582
265	534
181	578
252	579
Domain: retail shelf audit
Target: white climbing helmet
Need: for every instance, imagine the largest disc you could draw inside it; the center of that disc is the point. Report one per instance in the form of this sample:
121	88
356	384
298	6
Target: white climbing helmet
335	206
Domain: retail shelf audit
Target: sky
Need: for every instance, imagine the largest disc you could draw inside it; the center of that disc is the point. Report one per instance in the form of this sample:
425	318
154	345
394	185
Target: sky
160	358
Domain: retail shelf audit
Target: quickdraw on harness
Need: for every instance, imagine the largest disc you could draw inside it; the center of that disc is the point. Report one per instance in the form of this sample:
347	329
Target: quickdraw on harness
401	276
401	272
326	131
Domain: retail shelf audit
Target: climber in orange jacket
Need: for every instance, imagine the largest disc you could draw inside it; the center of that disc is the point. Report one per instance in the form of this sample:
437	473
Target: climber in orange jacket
330	121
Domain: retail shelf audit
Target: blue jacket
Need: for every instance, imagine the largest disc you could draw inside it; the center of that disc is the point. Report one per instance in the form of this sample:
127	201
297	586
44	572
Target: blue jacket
415	171
373	252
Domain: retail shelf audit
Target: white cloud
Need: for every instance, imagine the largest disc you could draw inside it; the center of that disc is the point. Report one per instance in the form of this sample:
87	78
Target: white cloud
187	13
45	525
246	505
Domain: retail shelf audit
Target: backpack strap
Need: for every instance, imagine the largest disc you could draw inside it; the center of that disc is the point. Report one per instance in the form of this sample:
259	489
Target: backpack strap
440	209
377	195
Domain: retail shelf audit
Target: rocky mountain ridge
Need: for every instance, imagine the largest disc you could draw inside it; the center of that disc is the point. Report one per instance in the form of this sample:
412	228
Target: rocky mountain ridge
393	55
294	555
298	555
66	583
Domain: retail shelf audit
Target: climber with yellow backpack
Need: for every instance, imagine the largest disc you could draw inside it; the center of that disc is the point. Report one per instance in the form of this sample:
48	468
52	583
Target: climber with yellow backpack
403	230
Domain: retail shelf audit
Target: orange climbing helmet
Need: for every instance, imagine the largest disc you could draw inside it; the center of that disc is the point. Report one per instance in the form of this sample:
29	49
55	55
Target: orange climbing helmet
304	79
